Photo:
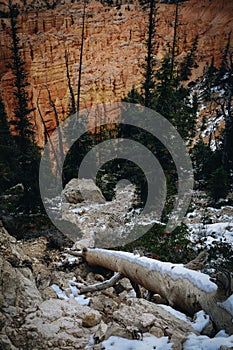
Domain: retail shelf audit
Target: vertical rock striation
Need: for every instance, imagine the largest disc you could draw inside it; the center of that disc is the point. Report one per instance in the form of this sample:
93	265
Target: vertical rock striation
113	49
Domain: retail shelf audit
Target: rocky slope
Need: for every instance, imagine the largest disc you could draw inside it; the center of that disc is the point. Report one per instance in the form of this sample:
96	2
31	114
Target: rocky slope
41	308
113	49
32	316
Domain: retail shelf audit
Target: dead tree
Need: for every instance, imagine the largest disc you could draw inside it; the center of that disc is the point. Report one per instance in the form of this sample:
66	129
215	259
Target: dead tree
184	289
81	56
60	141
73	104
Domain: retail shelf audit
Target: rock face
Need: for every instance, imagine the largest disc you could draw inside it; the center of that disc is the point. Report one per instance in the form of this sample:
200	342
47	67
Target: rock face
102	223
79	190
113	49
41	307
32	319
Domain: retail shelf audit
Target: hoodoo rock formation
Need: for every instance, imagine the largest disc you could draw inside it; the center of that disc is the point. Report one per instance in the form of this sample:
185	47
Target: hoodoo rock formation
114	49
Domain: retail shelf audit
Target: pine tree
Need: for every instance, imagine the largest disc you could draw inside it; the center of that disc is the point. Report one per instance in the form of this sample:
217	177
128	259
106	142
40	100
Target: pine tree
29	156
163	90
217	91
218	184
173	100
8	153
189	62
148	85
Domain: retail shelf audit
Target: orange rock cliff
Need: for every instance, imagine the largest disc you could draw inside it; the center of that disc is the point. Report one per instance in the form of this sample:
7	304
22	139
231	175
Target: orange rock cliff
114	49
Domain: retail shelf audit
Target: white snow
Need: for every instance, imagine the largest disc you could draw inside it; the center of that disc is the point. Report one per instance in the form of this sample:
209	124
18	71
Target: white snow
91	343
148	342
220	230
72	259
81	300
203	342
176	271
200	321
60	293
228	304
72	292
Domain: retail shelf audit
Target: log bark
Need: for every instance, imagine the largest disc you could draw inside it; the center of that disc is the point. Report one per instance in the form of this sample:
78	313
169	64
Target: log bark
185	290
100	286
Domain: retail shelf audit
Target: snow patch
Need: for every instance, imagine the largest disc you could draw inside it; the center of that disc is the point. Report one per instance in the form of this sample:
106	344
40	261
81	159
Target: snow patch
202	342
148	342
72	292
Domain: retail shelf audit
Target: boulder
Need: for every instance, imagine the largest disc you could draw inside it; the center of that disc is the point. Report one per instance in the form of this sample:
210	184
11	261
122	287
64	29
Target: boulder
82	190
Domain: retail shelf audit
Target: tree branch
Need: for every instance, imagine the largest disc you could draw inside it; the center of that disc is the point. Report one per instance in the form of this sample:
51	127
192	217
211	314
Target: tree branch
104	285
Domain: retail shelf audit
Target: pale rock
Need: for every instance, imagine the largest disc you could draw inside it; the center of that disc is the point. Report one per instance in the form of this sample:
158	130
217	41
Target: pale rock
19	281
115	329
48	293
147	320
157	332
52	309
103	304
101	332
82	190
131	315
125	283
101	223
91	318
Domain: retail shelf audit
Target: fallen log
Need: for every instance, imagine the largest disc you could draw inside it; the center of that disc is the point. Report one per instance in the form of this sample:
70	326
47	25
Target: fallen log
186	290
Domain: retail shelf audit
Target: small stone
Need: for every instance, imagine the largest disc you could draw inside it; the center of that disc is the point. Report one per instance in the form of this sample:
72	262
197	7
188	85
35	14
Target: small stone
91	319
99	277
147	319
38	313
61	342
157	332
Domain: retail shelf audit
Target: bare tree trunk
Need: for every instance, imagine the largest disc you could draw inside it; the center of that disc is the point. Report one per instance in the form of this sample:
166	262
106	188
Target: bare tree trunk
81	58
149	84
73	105
60	142
183	289
174	38
47	136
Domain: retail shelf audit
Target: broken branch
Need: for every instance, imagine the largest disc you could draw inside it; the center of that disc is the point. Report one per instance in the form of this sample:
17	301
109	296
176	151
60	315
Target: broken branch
103	285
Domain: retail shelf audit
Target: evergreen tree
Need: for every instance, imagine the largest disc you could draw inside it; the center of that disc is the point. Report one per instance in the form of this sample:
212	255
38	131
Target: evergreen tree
8	153
148	85
29	156
205	161
173	100
218	184
163	90
217	91
189	62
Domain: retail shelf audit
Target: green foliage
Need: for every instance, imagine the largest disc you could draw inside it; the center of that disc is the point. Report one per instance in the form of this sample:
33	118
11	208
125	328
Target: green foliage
217	90
148	84
173	100
8	153
189	62
218	184
28	156
162	90
75	156
204	161
159	244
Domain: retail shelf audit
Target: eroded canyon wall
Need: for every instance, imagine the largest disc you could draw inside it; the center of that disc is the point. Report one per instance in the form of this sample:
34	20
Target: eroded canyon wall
114	49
